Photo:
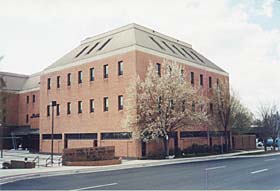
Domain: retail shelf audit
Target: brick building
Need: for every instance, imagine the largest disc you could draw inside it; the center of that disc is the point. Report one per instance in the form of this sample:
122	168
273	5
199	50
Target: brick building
89	85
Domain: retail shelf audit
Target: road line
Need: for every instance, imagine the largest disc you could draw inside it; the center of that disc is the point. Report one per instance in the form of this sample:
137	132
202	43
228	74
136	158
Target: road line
258	171
97	186
267	160
216	167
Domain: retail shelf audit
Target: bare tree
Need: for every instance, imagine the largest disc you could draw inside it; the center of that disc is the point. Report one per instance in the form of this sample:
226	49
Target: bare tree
270	122
164	102
225	108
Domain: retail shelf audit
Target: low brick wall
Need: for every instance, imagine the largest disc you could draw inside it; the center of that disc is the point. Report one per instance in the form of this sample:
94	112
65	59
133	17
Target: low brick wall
93	163
244	142
21	164
93	156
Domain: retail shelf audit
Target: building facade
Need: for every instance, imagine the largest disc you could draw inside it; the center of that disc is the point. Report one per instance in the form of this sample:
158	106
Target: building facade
90	84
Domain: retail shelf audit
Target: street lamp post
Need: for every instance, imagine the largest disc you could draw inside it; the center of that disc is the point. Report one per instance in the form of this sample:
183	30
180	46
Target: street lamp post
53	104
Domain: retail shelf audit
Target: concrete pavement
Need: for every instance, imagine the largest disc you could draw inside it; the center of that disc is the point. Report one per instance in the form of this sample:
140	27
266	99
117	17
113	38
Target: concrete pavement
11	175
257	173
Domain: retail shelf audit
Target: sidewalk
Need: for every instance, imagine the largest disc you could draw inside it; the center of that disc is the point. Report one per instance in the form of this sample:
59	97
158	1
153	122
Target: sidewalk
9	175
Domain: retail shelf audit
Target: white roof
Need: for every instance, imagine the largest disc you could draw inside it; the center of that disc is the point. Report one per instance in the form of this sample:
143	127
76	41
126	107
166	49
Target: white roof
128	36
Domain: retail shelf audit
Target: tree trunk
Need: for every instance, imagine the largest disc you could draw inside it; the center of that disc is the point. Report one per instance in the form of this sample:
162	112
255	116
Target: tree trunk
166	146
226	140
274	145
264	145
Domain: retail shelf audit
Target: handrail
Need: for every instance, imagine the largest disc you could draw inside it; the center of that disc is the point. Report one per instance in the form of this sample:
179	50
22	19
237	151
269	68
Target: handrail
36	159
48	159
59	161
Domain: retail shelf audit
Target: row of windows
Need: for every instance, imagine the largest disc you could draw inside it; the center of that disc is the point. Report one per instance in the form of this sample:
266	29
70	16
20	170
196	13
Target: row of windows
201	133
33	99
91	106
91	75
79	136
190	53
201	80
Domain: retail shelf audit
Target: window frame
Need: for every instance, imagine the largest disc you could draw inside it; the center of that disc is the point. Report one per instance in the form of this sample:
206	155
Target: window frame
106	71
120	102
80	77
105	104
120	68
91	74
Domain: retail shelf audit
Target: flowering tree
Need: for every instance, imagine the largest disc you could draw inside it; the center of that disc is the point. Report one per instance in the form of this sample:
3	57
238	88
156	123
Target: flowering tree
164	102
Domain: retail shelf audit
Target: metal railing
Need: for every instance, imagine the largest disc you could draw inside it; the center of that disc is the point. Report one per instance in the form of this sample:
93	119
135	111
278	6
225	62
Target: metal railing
37	161
48	161
59	161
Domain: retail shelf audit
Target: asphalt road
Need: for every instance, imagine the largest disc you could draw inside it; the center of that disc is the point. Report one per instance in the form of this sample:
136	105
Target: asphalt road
238	174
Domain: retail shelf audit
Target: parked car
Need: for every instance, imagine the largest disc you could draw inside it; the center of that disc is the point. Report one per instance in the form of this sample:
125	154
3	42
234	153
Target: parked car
269	142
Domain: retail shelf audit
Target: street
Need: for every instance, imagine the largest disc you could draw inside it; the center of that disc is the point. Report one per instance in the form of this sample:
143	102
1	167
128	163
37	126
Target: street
244	173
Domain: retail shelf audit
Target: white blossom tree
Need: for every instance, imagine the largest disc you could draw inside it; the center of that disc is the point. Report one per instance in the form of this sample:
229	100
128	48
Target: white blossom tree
164	102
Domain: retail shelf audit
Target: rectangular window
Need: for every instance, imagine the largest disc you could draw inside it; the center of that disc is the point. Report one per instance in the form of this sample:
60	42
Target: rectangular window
81	51
182	73
80	106
157	43
120	102
201	79
69	108
91	103
106	71
178	50
120	68
91	74
103	45
58	81
57	110
33	98
27	118
210	82
197	57
105	104
192	78
48	110
49	136
80	77
158	68
49	83
218	82
92	48
211	108
188	54
27	99
193	106
69	79
116	135
168	47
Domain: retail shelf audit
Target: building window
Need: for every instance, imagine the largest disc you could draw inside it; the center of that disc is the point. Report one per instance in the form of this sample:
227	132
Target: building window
106	104
48	110
116	135
210	82
33	98
193	106
58	81
91	73
192	78
49	136
92	48
27	99
49	83
91	103
201	79
157	43
80	77
106	71
68	108
120	68
120	102
80	106
27	118
103	45
158	69
211	108
182	73
81	136
218	82
81	51
57	110
69	79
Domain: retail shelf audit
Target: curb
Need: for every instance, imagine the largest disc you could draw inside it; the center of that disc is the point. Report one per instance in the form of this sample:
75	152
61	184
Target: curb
14	178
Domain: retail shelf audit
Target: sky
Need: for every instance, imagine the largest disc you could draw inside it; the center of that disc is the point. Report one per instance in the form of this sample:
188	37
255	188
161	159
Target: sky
241	36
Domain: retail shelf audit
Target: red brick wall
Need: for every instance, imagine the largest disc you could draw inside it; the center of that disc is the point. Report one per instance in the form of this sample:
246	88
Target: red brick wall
30	108
11	107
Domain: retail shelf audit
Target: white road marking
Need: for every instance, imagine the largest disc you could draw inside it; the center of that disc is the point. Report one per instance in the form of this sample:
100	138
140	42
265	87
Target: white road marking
216	167
258	171
269	160
97	186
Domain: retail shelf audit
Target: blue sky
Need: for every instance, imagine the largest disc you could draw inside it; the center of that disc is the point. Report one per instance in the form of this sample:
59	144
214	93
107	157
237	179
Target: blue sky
241	36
